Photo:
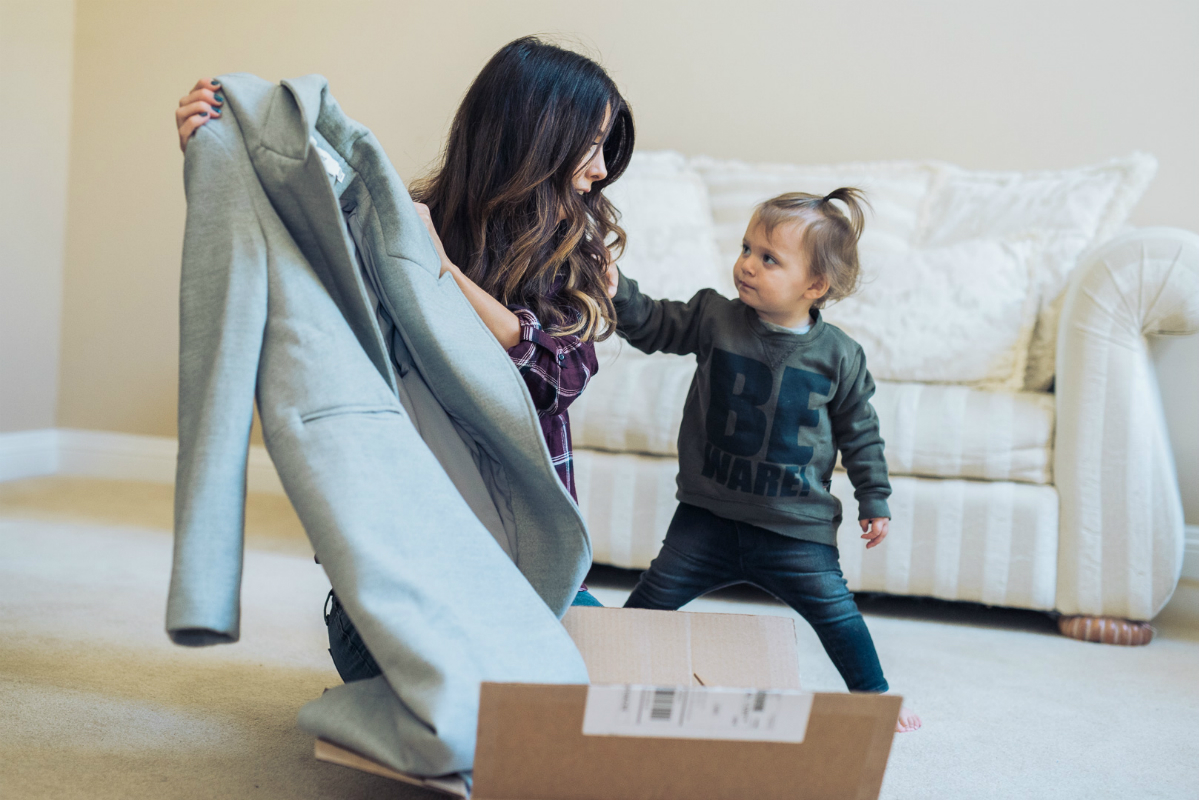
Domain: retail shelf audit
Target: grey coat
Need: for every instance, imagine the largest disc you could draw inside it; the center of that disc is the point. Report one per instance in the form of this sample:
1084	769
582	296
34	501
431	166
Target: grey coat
401	431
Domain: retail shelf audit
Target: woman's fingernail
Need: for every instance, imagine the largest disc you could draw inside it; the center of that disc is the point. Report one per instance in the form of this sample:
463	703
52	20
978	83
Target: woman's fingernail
220	99
216	83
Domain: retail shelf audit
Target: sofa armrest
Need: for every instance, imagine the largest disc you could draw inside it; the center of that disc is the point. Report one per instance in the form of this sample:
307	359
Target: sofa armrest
1120	541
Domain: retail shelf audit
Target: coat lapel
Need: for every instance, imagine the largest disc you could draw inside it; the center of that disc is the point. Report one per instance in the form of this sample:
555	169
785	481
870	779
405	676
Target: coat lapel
294	178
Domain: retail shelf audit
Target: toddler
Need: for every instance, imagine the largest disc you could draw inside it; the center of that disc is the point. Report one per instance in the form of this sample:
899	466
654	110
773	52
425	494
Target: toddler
777	391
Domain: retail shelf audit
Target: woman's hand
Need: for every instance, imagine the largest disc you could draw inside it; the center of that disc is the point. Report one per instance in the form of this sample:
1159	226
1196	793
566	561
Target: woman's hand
427	218
875	530
196	107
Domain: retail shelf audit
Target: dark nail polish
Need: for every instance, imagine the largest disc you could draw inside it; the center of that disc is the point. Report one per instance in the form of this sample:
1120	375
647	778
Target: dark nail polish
220	99
216	83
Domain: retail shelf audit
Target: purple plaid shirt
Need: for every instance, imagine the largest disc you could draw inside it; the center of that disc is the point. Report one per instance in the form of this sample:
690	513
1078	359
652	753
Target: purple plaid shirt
556	370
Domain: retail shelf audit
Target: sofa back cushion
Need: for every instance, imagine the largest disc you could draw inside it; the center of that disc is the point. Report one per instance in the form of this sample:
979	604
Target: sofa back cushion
635	405
898	195
951	250
1065	211
667	219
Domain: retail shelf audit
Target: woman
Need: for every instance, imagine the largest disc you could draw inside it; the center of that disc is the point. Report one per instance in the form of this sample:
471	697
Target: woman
526	233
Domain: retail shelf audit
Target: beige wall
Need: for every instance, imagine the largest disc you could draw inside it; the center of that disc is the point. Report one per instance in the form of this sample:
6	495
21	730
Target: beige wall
35	93
1011	84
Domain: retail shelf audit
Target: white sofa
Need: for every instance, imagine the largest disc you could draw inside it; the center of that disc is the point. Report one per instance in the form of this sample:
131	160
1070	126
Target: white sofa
1004	318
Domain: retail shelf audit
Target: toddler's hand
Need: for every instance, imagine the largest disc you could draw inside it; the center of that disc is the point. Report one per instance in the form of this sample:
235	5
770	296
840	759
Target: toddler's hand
875	530
613	278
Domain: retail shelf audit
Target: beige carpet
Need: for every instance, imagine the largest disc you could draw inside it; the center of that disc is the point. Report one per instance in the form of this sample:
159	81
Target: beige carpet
96	703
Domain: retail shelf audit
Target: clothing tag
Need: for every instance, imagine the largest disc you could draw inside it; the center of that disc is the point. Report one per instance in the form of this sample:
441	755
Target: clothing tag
332	168
697	712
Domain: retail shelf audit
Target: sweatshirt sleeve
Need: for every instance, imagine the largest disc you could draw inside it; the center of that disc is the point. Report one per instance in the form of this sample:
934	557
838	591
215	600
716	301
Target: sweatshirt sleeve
666	326
855	428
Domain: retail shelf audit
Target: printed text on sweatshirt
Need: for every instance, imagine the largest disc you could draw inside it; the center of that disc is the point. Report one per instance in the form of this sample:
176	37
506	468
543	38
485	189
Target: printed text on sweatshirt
766	413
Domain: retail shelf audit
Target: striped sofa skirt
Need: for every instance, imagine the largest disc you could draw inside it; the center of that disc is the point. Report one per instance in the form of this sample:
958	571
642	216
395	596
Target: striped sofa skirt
992	542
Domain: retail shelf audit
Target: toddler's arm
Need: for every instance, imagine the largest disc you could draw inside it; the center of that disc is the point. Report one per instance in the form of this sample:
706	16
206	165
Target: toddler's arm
855	428
666	326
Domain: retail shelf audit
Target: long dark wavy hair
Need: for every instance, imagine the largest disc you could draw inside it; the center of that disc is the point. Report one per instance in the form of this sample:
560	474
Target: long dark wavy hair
525	125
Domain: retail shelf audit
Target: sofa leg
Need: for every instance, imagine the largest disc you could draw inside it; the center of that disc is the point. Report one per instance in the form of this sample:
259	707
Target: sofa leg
1106	630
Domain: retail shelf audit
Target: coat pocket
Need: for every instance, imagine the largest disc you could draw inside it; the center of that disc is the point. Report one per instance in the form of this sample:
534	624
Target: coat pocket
341	411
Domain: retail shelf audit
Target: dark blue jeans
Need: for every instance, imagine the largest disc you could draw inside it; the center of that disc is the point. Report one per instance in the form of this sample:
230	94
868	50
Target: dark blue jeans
353	661
704	552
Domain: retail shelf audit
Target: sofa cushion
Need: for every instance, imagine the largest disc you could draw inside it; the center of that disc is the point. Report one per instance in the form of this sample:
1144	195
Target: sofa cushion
940	431
635	405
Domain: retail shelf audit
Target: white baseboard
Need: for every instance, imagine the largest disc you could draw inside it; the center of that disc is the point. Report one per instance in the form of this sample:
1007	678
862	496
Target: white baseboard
1190	555
27	454
116	456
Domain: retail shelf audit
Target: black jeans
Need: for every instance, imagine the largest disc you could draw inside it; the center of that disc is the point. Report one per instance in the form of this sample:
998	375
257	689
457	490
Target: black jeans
703	552
353	660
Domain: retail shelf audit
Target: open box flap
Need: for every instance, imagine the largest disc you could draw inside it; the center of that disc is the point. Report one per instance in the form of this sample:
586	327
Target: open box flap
634	645
450	785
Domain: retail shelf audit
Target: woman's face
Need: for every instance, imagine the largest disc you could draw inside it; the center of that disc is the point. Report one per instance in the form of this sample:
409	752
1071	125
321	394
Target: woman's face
593	168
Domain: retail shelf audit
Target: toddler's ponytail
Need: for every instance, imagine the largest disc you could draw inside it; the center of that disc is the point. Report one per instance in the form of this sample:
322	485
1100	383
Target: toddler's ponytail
853	200
830	239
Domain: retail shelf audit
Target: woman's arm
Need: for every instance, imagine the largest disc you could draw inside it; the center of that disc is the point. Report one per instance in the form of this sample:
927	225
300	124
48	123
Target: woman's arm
502	323
556	369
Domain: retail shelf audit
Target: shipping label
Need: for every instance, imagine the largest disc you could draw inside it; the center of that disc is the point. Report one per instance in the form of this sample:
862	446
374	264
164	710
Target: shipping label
697	712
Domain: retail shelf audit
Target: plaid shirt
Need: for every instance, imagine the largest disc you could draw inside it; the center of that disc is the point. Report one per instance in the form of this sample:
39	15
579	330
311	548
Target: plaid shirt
556	370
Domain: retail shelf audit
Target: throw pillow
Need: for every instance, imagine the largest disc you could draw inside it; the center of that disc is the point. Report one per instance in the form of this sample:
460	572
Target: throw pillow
1068	210
959	313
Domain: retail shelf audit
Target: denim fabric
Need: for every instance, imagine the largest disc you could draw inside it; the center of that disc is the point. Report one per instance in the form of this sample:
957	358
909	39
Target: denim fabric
586	598
353	661
351	658
703	552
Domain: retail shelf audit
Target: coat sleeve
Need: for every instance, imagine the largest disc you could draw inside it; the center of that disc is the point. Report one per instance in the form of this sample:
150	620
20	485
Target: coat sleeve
222	318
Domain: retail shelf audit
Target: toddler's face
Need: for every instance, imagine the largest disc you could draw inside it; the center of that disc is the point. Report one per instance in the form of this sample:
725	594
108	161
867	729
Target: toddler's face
772	275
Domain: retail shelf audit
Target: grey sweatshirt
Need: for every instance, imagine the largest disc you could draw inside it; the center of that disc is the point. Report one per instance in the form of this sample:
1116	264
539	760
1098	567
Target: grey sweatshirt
766	413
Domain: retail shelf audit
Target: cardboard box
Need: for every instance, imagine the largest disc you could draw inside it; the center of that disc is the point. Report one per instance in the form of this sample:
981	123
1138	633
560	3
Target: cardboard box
532	745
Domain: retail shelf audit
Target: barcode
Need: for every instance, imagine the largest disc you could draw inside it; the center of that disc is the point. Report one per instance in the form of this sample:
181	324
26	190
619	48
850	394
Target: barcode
760	701
663	704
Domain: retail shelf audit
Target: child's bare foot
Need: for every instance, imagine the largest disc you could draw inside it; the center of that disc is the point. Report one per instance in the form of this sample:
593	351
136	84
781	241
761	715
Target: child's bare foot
908	721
